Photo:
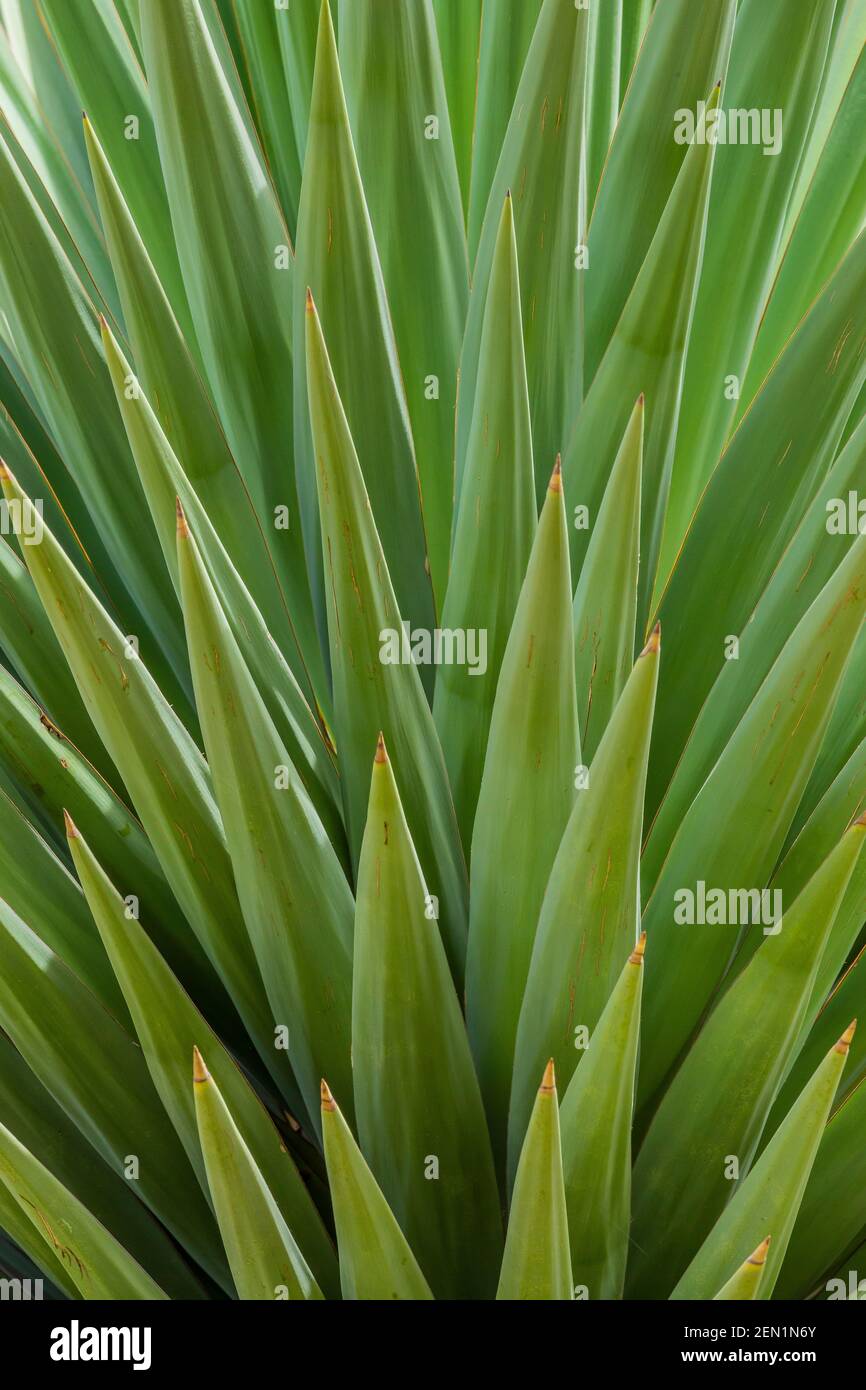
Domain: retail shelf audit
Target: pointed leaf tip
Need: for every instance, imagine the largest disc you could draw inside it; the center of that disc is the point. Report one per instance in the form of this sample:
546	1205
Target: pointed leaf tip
555	484
200	1072
182	523
381	751
309	300
637	955
5	470
847	1038
548	1081
328	1102
655	641
71	828
759	1256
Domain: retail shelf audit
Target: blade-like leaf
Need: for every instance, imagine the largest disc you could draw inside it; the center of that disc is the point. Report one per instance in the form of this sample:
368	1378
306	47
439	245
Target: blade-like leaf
230	233
167	1023
537	1262
542	163
731	836
529	778
293	893
421	1122
338	261
375	1261
596	1140
495	524
719	1099
97	1265
371	693
589	917
390	61
770	1196
605	602
265	1260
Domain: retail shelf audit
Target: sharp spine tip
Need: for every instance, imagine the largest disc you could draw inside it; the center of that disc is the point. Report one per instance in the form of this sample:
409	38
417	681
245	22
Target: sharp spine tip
71	827
200	1072
309	297
182	523
637	955
555	484
328	1102
847	1038
759	1256
381	751
655	640
548	1081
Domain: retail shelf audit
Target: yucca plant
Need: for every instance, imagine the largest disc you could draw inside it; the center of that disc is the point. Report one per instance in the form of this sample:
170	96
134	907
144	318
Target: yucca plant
432	729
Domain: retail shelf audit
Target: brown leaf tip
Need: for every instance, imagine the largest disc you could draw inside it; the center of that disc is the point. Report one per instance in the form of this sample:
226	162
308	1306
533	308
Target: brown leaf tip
555	484
200	1072
381	753
5	470
328	1102
548	1081
861	819
847	1038
655	640
71	828
759	1256
182	523
309	299
637	955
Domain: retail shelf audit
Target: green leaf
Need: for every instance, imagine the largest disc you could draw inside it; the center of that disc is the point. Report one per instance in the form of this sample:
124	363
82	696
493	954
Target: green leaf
370	693
718	1101
230	233
529	778
684	51
596	1115
770	1196
732	833
30	645
293	893
646	354
780	53
832	1216
95	1071
746	519
167	371
264	1258
338	261
602	103
495	525
93	1260
52	323
589	917
745	1282
376	1263
807	565
40	889
389	57
42	1127
164	481
421	1123
167	777
605	602
537	1261
261	29
542	163
830	218
53	775
458	39
168	1025
506	33
111	85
